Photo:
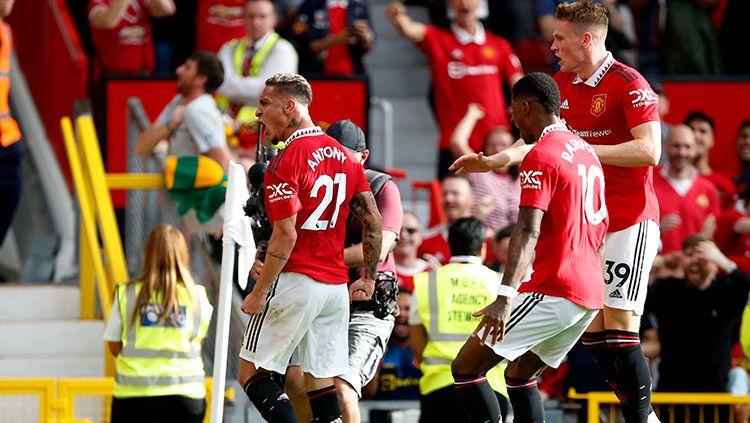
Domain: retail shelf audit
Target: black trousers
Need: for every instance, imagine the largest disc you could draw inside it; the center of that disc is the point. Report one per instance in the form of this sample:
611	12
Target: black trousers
10	185
444	405
165	409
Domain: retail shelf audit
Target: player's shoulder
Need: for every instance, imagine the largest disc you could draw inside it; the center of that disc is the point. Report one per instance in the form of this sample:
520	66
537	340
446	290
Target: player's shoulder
498	40
563	78
624	75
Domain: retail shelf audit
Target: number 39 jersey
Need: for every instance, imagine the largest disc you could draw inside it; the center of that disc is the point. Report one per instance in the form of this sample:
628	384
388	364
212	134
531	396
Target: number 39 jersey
562	176
315	178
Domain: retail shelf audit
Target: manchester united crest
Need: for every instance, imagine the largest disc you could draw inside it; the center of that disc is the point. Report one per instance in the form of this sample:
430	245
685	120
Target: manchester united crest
702	201
488	52
598	104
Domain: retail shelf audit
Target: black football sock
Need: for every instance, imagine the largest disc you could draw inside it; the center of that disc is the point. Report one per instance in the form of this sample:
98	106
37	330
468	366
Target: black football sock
325	405
596	344
478	398
632	375
525	399
270	400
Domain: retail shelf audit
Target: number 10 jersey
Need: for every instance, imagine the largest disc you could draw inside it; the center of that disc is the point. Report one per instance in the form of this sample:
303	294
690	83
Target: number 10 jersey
314	177
562	176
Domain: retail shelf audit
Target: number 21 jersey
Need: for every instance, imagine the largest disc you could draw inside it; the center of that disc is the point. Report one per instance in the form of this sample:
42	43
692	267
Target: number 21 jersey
314	177
562	176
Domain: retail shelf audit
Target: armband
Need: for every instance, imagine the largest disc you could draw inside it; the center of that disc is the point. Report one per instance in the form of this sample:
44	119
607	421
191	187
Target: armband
507	291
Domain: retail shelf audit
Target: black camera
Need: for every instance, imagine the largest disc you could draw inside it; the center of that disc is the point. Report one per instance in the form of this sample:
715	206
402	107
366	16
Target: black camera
384	296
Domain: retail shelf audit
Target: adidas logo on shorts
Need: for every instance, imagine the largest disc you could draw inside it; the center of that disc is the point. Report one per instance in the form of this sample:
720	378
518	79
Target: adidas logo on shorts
615	294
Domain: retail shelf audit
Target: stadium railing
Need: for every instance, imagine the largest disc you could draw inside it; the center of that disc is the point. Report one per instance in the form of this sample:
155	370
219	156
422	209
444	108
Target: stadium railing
65	400
665	404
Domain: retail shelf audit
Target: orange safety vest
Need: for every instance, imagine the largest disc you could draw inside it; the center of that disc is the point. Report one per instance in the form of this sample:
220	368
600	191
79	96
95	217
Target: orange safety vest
9	132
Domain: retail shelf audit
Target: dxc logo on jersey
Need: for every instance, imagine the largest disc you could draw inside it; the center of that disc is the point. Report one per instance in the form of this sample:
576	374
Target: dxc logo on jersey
644	97
530	180
279	190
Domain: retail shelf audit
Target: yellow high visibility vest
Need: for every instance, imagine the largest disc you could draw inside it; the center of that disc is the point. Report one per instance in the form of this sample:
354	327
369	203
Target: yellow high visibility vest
161	359
445	300
9	132
238	46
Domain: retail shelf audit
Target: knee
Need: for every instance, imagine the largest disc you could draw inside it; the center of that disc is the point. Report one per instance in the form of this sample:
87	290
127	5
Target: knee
245	373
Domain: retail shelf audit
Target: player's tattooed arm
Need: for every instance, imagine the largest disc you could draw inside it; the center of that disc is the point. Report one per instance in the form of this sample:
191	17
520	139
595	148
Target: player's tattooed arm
364	208
522	243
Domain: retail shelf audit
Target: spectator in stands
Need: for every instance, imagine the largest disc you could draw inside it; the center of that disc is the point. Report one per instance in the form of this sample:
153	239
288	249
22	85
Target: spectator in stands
500	247
397	377
11	151
218	21
742	145
663	111
468	65
498	192
250	60
686	199
160	377
457	199
704	129
408	262
441	318
689	52
733	237
698	313
191	121
121	31
332	37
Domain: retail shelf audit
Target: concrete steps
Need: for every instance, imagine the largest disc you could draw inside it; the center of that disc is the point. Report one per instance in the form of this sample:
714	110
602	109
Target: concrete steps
41	335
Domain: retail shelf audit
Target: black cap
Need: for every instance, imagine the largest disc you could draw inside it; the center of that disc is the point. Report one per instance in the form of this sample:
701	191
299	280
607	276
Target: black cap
349	135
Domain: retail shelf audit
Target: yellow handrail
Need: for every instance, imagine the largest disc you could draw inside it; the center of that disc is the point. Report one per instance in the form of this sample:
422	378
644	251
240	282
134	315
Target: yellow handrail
596	399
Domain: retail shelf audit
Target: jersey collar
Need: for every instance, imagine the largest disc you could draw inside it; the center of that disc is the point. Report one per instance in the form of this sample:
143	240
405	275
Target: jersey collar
304	132
466	259
465	38
594	80
559	126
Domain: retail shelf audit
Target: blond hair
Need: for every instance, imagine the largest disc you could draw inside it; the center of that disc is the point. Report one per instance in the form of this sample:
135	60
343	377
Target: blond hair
166	264
584	12
291	85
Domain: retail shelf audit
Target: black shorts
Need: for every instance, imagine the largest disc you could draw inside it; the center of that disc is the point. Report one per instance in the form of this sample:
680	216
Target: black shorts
165	409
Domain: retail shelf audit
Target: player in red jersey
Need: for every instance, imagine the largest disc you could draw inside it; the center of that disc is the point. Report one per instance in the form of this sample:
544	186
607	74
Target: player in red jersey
612	107
300	297
563	220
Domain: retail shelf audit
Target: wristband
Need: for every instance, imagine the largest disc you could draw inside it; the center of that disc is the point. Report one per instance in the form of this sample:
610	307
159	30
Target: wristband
507	291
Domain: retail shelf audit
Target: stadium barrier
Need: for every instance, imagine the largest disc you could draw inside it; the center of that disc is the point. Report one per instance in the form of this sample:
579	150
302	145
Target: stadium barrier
65	400
693	407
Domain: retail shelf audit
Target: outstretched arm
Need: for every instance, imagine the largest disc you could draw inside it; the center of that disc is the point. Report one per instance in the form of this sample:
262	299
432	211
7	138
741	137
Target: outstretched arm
413	31
478	162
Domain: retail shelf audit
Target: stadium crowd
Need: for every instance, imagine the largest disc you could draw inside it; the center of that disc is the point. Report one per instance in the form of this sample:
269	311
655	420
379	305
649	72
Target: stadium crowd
477	50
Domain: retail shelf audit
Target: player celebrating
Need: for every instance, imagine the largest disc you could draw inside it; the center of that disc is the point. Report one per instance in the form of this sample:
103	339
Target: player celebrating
611	106
300	297
563	220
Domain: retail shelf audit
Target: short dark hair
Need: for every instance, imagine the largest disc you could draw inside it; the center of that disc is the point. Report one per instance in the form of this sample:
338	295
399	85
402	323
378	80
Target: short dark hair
504	232
744	124
466	236
541	88
699	116
291	85
584	12
692	241
210	67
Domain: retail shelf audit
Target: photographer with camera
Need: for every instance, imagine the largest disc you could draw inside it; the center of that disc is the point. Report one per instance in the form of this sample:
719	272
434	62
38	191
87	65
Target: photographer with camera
300	296
370	322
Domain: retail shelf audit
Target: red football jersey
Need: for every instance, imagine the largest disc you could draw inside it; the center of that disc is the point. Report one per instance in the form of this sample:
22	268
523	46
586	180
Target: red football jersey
693	207
314	177
218	21
602	110
562	176
128	47
435	242
406	275
469	73
730	242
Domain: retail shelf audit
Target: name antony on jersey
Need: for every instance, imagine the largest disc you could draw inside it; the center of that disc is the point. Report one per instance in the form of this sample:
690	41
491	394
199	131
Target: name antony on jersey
323	153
